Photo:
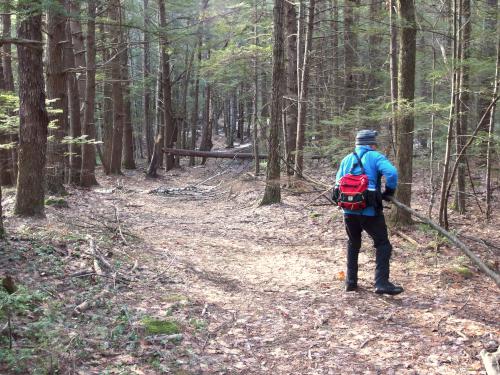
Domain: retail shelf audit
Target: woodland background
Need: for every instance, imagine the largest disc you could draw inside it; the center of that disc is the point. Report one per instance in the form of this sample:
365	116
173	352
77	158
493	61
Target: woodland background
93	93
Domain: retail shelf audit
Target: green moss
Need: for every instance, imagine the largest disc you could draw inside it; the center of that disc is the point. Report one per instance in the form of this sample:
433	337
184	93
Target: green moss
160	327
463	271
175	298
314	215
198	324
56	202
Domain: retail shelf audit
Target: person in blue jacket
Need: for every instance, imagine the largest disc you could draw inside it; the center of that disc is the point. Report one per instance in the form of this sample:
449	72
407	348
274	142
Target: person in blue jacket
370	219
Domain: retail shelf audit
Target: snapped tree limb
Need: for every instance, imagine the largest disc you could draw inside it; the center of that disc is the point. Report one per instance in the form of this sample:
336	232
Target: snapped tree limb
475	259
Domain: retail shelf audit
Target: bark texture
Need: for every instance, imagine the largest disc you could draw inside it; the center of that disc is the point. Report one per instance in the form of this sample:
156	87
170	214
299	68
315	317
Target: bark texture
117	89
291	93
272	193
88	150
75	126
33	119
57	93
406	94
166	86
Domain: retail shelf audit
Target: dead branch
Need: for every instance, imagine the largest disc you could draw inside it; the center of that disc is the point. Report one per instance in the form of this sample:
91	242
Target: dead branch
164	338
475	259
37	44
367	341
89	303
119	227
101	265
408	238
444	318
211	154
323	194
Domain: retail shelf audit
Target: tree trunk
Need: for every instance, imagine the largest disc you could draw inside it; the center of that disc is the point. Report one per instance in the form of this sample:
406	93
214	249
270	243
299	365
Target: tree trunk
406	94
128	138
255	131
2	230
303	93
56	91
88	150
107	105
335	55
241	114
393	71
206	131
491	129
7	157
117	88
272	193
292	89
350	55
194	115
75	126
464	104
166	85
443	204
487	51
374	84
78	40
148	126
7	48
33	119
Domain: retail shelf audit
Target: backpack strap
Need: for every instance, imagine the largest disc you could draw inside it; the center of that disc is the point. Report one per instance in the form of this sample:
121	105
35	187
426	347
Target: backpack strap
359	161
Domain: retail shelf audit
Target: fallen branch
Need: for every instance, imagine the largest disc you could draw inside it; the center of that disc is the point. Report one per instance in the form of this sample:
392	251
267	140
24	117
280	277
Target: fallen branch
164	338
211	154
38	44
486	243
323	194
367	341
408	238
89	303
117	218
475	259
101	265
447	316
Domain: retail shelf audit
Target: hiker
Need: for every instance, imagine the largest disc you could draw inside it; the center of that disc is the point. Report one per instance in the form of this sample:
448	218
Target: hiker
358	192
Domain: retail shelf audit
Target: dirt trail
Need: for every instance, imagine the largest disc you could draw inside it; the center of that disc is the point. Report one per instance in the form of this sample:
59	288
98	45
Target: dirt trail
264	281
256	289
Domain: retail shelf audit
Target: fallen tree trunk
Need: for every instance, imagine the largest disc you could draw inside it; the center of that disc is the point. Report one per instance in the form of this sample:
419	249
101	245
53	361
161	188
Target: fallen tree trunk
212	154
475	259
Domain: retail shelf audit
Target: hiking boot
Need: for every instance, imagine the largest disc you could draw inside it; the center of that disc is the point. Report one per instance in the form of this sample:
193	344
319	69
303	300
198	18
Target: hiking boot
351	287
388	288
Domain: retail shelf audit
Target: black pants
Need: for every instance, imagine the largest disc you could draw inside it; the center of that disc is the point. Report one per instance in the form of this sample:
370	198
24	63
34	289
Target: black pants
377	229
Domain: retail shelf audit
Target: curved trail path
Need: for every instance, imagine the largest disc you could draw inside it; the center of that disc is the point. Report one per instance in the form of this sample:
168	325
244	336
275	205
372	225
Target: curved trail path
257	289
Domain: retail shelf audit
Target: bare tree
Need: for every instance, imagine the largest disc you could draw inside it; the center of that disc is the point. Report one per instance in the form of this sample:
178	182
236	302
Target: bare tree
57	92
88	150
406	95
166	85
148	126
303	90
117	88
272	193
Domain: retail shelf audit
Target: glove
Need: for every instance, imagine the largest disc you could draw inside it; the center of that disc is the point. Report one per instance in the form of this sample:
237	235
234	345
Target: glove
388	192
335	194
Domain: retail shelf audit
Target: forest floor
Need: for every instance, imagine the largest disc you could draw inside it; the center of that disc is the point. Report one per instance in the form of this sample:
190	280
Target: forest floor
204	281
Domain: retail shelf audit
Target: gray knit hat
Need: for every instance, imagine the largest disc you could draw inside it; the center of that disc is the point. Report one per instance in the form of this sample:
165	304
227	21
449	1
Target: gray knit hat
366	137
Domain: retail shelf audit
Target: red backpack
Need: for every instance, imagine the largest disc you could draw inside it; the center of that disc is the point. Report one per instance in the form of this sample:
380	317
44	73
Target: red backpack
351	191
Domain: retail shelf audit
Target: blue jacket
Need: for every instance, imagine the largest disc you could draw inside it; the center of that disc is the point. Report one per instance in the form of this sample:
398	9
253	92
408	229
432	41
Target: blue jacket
376	165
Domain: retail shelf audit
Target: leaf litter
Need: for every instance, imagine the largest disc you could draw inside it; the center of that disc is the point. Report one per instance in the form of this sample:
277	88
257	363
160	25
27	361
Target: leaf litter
248	289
